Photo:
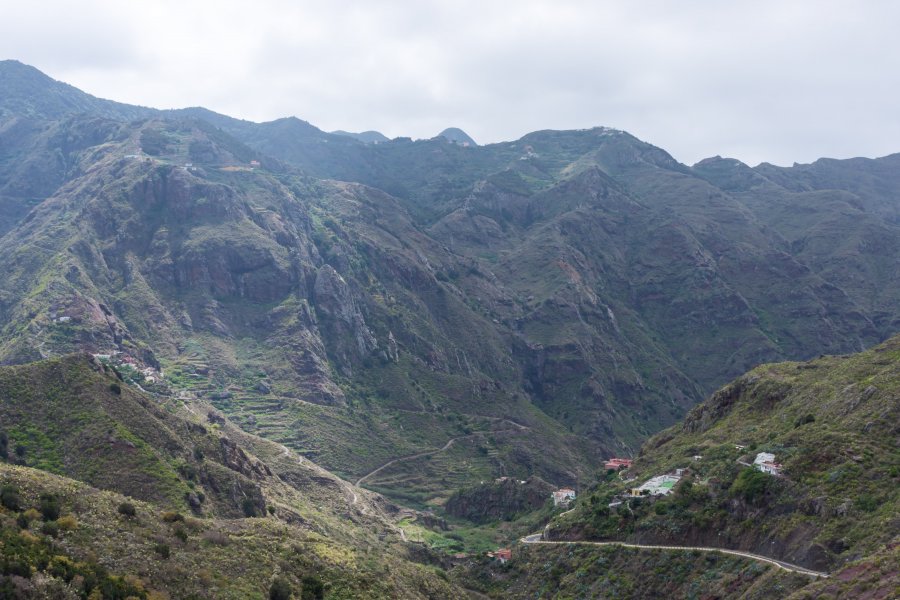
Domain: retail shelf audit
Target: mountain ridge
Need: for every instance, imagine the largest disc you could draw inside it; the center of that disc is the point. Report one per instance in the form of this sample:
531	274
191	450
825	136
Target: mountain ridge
22	83
611	286
424	316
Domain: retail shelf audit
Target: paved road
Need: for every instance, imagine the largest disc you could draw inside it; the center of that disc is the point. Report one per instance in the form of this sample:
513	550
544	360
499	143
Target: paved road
535	538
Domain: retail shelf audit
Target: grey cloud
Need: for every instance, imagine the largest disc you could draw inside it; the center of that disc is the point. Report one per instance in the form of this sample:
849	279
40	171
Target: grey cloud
762	81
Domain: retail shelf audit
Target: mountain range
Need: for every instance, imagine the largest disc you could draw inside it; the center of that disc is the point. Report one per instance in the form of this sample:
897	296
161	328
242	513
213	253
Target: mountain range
419	316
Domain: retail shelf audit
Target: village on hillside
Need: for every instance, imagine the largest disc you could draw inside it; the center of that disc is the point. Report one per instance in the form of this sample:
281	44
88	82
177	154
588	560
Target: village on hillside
661	484
664	483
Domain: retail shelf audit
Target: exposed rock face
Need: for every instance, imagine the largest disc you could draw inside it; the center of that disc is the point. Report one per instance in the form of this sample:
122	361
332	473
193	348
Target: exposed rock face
393	351
225	270
340	317
719	404
296	332
234	457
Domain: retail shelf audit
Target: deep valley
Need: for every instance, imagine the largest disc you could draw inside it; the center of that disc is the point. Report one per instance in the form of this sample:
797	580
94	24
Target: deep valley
351	366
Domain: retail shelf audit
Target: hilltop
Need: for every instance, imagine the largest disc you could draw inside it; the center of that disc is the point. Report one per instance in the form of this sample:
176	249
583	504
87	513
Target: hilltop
368	137
457	136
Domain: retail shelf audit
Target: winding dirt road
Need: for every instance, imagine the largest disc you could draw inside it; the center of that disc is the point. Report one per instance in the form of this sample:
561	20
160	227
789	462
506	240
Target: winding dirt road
411	457
535	538
434	451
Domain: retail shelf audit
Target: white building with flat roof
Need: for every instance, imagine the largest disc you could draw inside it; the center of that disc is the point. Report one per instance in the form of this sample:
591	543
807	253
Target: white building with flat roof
764	457
765	462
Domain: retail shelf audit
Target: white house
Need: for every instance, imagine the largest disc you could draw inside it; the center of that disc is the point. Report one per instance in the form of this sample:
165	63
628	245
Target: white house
765	462
769	467
563	496
764	457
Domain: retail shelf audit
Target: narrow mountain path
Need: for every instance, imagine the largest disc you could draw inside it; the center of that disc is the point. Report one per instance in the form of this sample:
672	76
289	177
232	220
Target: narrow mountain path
515	424
475	593
411	457
285	451
535	538
430	452
353	497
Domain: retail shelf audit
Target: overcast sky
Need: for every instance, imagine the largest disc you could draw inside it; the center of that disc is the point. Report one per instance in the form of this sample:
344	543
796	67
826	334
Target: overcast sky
779	81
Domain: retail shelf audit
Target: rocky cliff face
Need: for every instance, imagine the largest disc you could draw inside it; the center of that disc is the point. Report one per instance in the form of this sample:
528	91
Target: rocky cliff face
250	288
341	318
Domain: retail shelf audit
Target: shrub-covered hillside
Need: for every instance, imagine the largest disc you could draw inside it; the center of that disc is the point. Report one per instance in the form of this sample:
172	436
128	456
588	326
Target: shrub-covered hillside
104	490
832	424
832	504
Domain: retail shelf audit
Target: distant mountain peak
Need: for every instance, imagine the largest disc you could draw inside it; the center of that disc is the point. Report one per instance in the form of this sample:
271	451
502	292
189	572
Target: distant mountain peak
28	92
456	135
719	160
366	137
730	174
14	66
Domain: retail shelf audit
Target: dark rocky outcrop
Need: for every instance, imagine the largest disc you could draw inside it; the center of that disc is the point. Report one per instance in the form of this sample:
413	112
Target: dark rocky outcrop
340	318
499	500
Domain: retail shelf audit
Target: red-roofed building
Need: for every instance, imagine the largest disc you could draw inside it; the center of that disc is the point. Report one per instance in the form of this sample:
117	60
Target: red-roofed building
503	555
617	463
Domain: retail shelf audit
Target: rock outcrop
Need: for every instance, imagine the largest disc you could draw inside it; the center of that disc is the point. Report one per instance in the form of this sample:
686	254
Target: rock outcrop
340	318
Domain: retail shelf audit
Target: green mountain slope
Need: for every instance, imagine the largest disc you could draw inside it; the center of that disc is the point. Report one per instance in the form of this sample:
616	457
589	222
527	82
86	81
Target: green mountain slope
151	556
250	518
620	573
302	308
531	303
60	416
832	424
29	94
